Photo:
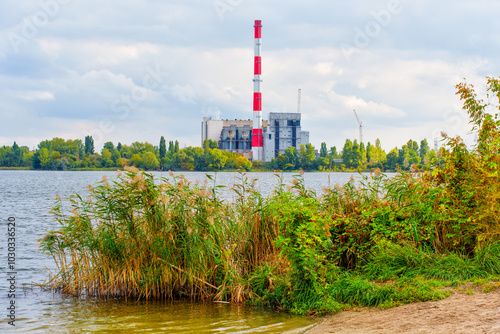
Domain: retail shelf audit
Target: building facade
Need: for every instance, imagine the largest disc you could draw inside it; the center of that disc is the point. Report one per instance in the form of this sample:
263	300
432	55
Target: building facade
282	131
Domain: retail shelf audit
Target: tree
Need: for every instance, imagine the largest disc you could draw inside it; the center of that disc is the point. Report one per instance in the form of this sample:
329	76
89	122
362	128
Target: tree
323	153
333	153
369	152
404	156
44	158
392	158
17	155
381	156
357	159
63	164
163	148
215	159
291	158
35	162
307	157
149	161
323	163
212	144
106	158
89	145
373	153
109	146
171	148
176	147
136	160
362	151
424	148
347	156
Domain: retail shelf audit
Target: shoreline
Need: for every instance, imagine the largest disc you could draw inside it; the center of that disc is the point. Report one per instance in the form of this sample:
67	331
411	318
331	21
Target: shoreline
459	313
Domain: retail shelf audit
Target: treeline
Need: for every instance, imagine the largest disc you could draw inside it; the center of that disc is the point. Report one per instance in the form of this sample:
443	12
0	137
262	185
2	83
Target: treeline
356	156
61	154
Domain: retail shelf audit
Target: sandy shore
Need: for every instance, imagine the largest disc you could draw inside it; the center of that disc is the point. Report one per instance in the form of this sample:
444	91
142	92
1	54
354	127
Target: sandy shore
459	313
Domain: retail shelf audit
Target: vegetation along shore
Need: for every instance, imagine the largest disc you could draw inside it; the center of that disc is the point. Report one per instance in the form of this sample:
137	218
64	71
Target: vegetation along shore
383	242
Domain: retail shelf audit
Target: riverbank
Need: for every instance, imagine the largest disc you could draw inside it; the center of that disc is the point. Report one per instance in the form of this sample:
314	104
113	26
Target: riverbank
460	313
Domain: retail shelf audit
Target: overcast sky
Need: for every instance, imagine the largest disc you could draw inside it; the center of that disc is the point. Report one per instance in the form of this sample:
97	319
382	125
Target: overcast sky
126	71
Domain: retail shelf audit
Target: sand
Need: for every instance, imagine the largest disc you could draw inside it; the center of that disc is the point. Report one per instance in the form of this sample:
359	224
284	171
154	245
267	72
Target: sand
459	313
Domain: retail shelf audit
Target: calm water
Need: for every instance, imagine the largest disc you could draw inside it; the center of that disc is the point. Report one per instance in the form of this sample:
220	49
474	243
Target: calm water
28	196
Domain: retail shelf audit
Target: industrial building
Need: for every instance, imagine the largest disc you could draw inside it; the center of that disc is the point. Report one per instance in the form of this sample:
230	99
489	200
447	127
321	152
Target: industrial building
231	135
282	131
257	139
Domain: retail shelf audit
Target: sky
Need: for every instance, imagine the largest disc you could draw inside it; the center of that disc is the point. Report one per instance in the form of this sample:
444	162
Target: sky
130	70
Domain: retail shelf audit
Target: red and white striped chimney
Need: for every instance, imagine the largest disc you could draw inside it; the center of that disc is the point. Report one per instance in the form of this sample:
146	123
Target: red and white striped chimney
257	139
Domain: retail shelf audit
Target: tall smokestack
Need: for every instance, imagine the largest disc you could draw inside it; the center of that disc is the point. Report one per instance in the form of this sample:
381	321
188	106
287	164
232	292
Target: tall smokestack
257	140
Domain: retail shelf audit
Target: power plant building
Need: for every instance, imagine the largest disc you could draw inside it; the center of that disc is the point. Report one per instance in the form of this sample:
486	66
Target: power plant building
282	131
257	139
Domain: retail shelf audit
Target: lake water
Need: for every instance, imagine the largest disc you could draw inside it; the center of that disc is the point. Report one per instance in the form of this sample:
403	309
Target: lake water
28	196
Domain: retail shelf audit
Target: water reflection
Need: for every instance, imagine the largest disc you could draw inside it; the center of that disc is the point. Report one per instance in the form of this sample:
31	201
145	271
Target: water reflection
66	315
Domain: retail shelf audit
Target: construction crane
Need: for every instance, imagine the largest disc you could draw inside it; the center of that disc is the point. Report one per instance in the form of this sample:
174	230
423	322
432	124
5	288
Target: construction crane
360	127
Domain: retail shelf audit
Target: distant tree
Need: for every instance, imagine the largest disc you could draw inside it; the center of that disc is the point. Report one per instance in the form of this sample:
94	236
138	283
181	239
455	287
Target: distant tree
307	157
373	154
109	146
333	153
137	147
392	159
149	161
119	146
35	162
106	158
424	148
323	163
347	155
215	159
404	156
323	153
163	148
381	156
357	159
291	156
369	152
116	158
362	151
63	164
171	148
212	144
89	145
136	160
28	159
17	155
176	147
44	158
243	163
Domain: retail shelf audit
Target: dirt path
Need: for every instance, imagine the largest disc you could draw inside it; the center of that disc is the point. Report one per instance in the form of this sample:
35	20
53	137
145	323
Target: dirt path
459	313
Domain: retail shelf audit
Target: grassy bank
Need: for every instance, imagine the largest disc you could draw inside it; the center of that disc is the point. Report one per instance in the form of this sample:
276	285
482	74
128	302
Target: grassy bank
383	242
15	168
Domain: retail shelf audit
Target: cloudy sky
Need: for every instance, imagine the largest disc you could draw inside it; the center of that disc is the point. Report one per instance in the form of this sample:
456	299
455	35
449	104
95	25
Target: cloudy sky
131	70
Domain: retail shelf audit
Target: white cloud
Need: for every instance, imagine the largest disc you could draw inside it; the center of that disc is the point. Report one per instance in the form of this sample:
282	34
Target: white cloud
185	93
92	53
36	95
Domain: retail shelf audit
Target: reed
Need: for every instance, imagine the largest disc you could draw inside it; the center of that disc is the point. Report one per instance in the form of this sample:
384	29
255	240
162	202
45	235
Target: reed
378	241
